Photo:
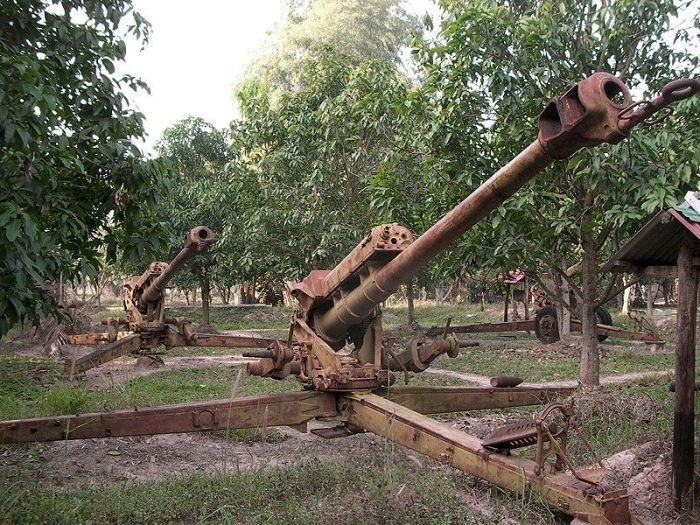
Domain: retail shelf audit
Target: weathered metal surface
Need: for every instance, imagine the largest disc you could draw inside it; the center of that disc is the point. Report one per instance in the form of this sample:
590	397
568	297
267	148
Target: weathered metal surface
509	326
381	245
505	381
445	399
418	356
529	325
465	452
512	436
641	112
342	306
126	345
614	331
145	314
358	303
585	116
224	341
289	409
197	240
98	338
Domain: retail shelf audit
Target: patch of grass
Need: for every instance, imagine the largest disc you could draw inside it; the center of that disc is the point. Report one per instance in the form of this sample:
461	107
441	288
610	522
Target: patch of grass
539	365
8	346
624	416
240	318
198	384
428	379
431	314
359	492
34	387
24	383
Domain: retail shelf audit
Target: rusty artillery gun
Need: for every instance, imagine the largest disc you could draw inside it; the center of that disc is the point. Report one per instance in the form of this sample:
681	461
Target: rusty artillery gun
145	327
337	350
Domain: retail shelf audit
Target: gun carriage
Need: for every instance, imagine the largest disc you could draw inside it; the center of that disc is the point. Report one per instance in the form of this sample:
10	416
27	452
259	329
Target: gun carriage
145	326
337	349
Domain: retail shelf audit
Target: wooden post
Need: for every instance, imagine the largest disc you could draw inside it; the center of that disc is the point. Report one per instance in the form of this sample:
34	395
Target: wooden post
650	299
683	417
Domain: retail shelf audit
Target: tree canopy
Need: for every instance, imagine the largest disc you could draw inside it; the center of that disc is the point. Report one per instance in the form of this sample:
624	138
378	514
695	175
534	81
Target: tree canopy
495	63
357	29
73	180
199	192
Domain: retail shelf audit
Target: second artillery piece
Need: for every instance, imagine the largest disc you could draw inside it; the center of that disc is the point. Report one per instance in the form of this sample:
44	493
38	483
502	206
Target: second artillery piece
145	326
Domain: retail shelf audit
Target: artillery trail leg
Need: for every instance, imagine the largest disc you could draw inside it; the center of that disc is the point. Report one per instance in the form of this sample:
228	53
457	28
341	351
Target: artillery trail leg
112	351
445	399
465	452
288	409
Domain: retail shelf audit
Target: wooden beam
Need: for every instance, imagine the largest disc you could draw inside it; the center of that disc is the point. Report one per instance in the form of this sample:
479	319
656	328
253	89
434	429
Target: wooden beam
684	417
650	271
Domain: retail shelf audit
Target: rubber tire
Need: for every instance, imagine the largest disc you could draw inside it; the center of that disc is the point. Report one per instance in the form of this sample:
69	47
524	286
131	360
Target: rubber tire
545	315
603	317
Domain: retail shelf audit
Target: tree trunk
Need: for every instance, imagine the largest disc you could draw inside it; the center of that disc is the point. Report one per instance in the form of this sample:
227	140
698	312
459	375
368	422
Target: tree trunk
684	416
411	317
590	360
187	296
627	297
565	323
650	299
526	297
206	296
61	289
194	296
505	306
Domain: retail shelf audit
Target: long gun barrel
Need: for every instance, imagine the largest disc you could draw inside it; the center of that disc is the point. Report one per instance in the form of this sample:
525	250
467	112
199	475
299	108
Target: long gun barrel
198	240
586	116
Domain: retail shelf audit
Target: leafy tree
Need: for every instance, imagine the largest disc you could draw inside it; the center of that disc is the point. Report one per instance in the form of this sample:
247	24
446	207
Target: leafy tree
73	180
358	29
310	159
495	63
199	192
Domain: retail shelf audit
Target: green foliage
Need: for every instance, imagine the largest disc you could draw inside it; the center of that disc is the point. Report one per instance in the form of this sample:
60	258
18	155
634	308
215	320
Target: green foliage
359	29
199	192
496	63
310	492
73	180
311	159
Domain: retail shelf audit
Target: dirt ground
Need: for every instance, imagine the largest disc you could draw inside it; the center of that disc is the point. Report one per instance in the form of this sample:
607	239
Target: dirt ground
645	470
103	462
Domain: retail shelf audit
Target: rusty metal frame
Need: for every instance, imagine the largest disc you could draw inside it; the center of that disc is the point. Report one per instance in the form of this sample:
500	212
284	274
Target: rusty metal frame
132	343
464	452
529	325
288	409
446	399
